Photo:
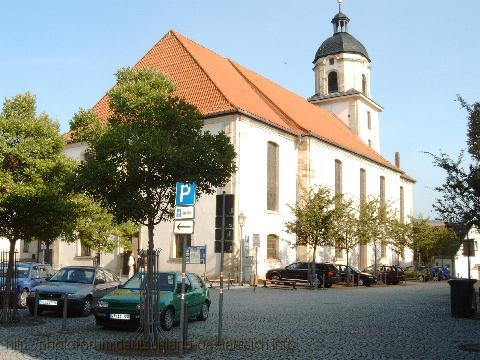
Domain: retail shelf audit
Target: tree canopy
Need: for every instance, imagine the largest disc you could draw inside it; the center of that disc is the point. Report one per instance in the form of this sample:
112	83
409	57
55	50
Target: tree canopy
152	140
34	201
459	201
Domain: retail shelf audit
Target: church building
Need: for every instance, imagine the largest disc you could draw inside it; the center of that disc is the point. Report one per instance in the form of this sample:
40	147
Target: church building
284	143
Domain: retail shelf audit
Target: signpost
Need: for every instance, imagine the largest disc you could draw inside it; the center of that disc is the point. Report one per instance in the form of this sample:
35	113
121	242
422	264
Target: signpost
256	245
184	225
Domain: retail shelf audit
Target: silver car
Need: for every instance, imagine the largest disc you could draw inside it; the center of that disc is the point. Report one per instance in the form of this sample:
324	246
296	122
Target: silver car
84	285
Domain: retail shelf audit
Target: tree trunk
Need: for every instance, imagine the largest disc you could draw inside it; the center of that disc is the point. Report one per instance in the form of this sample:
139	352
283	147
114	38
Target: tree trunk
348	269
10	274
314	268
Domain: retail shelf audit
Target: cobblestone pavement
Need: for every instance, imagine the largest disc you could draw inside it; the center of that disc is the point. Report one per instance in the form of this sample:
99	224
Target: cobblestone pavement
397	322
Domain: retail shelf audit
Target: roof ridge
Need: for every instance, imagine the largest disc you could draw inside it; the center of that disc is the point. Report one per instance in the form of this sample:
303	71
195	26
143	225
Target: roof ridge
138	62
176	35
269	102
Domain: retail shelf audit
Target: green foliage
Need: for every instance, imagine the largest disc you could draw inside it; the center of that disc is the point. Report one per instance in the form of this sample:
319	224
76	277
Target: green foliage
152	140
459	200
347	225
34	202
315	220
87	126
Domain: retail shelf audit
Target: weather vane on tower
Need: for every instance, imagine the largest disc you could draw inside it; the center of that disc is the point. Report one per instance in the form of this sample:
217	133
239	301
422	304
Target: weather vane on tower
340	5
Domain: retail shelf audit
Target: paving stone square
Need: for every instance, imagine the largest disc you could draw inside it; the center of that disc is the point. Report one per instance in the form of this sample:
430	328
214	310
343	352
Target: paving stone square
396	322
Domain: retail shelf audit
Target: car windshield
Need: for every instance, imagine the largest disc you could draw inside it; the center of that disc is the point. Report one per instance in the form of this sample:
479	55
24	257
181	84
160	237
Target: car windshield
74	275
166	281
357	270
21	271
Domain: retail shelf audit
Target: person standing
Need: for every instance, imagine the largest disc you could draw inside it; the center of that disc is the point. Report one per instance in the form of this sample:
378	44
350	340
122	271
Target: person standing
131	265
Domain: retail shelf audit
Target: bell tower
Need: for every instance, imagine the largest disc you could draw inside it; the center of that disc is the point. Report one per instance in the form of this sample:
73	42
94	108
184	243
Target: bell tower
342	69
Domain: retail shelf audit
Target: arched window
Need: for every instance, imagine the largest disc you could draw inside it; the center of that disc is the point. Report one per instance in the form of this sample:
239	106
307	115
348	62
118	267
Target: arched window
332	82
364	84
272	247
272	176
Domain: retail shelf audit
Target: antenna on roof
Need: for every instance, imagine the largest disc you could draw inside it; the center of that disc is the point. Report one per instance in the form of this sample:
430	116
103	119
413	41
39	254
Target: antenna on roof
340	5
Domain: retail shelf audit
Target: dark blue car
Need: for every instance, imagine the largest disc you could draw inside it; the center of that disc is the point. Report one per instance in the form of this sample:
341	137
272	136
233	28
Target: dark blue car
27	276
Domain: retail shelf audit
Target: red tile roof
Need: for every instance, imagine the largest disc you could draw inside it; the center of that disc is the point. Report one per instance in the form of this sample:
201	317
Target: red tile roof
216	85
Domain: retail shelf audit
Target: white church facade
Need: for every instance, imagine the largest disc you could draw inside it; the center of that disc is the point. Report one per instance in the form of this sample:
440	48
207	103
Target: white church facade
284	143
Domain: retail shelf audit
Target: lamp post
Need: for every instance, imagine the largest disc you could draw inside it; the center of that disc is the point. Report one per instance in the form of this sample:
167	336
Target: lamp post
241	222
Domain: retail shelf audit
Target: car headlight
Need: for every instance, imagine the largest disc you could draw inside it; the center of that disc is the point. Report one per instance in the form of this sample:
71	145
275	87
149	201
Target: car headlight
103	304
140	306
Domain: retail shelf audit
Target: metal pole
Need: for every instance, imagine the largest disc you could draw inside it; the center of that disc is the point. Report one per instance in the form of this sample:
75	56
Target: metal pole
222	250
35	311
182	305
241	255
256	268
65	306
468	257
205	270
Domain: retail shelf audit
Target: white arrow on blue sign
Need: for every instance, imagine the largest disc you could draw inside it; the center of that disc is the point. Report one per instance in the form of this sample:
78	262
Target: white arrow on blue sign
185	194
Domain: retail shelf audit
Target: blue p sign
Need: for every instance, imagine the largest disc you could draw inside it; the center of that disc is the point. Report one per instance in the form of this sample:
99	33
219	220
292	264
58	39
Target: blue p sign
185	194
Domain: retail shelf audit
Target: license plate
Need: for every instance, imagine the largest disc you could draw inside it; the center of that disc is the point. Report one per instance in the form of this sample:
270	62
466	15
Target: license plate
48	302
120	316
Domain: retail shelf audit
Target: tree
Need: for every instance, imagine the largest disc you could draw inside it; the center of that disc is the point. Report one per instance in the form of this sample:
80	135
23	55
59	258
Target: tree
152	140
347	226
460	193
32	173
315	220
400	234
373	226
95	227
422	240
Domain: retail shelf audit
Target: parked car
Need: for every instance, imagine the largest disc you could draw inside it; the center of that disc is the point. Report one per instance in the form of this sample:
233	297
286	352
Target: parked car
366	279
393	274
83	284
299	271
27	276
122	307
421	273
439	273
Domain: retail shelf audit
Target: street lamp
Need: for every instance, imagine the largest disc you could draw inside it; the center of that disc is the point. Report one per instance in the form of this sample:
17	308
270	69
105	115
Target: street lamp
241	222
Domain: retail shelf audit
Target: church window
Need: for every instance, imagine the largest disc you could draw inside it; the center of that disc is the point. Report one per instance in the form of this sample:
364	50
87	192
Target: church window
364	84
363	186
272	247
369	120
332	82
332	61
382	191
272	176
338	177
402	206
179	244
369	143
85	250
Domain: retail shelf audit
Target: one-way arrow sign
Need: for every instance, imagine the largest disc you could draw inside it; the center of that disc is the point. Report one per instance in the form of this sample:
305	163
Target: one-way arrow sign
183	227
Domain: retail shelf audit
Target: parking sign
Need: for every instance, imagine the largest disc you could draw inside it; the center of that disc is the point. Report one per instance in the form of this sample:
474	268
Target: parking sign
185	194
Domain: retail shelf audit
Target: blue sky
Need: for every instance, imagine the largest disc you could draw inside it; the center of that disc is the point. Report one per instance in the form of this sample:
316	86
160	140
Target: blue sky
423	54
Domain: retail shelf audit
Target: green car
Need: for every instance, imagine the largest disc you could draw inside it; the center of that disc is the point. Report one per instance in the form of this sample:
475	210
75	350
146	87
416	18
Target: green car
422	273
121	308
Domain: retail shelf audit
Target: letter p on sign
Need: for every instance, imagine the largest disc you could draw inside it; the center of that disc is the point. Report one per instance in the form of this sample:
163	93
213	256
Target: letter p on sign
185	194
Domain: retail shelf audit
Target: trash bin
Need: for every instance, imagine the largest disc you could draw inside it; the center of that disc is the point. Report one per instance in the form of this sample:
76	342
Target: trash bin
461	296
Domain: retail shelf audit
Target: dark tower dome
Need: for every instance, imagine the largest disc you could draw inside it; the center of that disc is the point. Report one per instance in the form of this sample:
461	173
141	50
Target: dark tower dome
341	41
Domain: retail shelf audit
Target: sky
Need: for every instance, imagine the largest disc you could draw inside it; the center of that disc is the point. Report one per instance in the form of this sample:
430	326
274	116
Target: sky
423	54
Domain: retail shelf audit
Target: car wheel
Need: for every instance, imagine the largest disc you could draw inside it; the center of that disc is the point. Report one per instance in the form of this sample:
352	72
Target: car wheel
275	278
22	302
86	307
31	310
203	315
421	278
167	317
